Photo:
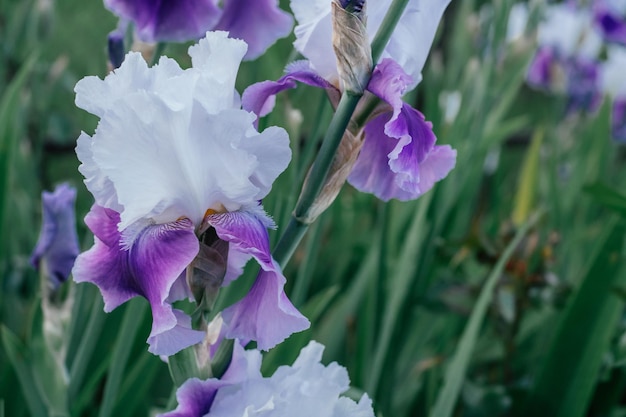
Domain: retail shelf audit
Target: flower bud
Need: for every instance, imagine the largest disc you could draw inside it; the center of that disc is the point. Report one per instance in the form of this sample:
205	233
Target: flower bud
351	44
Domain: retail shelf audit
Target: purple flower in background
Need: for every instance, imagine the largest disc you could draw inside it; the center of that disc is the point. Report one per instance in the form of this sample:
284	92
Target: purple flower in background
307	388
57	246
177	169
258	22
398	158
618	120
541	70
610	19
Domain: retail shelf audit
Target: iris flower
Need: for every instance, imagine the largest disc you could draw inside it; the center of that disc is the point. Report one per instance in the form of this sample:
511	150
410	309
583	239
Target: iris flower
258	22
57	246
307	388
610	19
175	160
398	158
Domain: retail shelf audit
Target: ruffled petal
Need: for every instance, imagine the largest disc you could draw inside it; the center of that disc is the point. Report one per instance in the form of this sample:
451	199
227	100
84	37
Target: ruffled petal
399	159
265	314
175	339
259	98
258	22
176	21
58	243
148	268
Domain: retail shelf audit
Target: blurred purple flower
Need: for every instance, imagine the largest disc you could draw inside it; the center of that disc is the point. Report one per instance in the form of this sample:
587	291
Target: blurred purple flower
610	18
258	22
305	389
57	247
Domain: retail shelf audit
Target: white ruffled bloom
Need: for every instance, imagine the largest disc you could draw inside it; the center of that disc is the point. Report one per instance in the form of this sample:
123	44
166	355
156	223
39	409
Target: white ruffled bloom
175	143
307	388
409	44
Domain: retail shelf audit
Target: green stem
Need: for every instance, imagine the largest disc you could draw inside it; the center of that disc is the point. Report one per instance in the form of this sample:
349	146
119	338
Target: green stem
298	225
381	39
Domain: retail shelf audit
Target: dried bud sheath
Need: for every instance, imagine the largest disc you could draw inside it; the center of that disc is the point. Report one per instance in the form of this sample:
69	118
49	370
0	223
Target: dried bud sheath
351	44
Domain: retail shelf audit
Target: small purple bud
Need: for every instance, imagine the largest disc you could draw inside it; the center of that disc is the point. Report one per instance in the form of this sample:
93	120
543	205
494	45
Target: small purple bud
116	49
57	247
352	6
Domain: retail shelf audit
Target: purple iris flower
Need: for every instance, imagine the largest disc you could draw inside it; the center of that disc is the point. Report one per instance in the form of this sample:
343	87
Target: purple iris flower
57	247
610	20
399	158
177	169
258	22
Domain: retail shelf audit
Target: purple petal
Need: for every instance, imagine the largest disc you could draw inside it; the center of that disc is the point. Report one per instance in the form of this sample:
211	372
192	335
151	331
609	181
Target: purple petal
148	268
388	169
175	339
611	24
540	70
265	314
58	243
259	98
389	82
618	120
583	86
246	234
177	21
394	161
195	397
258	22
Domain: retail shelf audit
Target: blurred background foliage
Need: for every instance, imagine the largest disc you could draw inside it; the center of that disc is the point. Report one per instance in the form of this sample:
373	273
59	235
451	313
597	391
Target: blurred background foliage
454	304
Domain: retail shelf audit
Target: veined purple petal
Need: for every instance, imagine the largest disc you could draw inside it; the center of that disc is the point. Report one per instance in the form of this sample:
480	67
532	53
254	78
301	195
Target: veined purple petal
149	268
265	314
618	120
382	171
258	22
58	243
177	21
259	98
399	158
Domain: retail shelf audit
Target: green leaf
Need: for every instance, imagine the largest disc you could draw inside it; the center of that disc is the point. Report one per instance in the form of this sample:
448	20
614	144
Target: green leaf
569	374
19	356
455	374
607	196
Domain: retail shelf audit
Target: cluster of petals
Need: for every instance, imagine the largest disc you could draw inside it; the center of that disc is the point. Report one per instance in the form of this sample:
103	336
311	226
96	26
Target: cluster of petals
307	388
173	155
57	247
258	22
399	158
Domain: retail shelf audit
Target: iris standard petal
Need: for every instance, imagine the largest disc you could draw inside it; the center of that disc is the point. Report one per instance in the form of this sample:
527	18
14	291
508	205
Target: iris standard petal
148	266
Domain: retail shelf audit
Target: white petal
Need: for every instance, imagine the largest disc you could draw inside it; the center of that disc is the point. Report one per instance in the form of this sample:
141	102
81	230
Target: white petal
612	79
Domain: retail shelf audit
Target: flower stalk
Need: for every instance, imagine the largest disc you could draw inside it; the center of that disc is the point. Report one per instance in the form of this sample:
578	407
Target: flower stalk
316	180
